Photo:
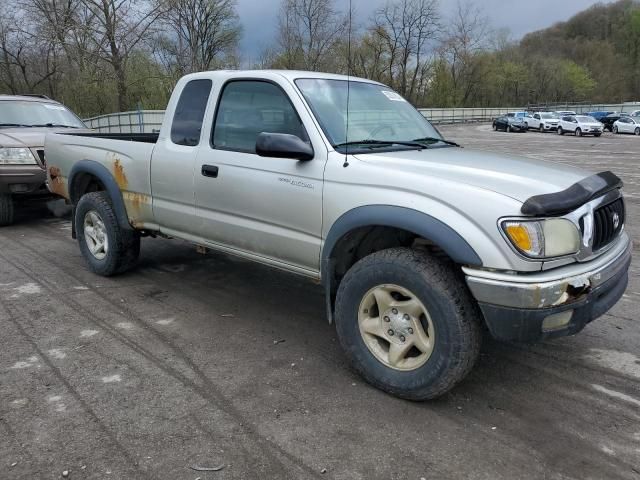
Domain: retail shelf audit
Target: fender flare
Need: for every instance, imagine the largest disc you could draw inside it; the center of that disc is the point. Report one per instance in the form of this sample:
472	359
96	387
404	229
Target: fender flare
101	172
419	223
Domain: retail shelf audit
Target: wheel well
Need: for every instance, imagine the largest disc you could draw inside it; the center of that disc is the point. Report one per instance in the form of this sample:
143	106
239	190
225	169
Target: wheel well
85	183
363	241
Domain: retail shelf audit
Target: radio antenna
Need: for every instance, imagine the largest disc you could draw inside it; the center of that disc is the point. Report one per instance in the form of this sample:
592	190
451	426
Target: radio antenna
346	133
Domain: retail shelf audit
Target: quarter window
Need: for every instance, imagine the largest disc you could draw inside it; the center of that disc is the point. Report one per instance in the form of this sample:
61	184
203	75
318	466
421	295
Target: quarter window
187	121
248	108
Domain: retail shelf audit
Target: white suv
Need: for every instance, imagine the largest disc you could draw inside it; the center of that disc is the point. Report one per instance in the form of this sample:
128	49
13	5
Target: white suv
544	121
580	125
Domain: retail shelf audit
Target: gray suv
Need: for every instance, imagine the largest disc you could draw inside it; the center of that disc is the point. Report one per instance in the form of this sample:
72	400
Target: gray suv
24	122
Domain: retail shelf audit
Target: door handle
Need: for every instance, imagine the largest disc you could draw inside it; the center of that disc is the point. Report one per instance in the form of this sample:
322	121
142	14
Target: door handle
210	171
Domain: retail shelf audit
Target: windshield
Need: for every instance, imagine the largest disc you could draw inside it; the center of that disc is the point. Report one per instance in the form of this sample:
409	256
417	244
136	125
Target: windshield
548	115
22	113
375	113
584	118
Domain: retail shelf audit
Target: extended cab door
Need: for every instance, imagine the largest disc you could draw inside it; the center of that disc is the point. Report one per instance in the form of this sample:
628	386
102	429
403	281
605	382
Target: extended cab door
269	208
174	159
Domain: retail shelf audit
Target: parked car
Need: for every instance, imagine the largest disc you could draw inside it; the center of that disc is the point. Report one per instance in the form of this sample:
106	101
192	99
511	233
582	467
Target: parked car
24	121
418	243
544	121
627	125
610	119
579	125
598	115
635	113
510	123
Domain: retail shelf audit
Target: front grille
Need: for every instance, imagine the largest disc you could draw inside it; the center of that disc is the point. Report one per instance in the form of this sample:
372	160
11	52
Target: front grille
607	223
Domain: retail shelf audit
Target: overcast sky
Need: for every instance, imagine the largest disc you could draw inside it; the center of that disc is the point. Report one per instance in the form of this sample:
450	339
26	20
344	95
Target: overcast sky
258	17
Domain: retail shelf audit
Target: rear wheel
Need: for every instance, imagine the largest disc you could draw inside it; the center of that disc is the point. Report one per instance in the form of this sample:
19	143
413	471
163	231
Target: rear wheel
6	209
107	248
407	323
495	127
509	129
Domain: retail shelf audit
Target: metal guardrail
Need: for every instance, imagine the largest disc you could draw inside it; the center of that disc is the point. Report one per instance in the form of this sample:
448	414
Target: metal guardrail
150	121
140	121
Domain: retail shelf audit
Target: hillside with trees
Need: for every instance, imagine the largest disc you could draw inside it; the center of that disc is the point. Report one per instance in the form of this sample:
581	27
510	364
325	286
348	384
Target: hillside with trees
102	56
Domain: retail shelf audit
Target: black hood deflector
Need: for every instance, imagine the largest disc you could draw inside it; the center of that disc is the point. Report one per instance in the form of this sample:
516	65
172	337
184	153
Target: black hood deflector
573	197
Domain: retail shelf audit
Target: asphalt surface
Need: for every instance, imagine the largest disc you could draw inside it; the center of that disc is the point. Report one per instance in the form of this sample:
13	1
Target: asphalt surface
207	360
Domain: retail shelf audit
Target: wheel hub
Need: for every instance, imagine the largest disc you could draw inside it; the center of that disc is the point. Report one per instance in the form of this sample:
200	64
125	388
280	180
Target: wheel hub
95	235
396	327
400	324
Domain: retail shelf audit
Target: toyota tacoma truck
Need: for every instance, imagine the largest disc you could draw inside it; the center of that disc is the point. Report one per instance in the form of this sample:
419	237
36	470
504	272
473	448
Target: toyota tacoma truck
420	244
24	122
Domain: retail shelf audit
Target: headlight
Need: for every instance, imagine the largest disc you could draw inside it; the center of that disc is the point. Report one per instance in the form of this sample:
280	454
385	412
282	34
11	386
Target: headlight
16	156
553	237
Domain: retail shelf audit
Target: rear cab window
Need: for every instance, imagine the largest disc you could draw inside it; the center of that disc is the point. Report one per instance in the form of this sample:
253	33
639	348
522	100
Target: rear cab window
187	119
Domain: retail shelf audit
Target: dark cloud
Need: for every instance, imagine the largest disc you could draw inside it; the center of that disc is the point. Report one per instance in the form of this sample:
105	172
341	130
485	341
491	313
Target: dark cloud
258	17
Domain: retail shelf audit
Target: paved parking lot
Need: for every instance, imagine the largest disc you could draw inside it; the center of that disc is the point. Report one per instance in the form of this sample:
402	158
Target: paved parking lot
210	361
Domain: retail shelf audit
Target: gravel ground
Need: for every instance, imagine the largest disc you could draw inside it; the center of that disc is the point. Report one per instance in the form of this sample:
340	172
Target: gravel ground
213	361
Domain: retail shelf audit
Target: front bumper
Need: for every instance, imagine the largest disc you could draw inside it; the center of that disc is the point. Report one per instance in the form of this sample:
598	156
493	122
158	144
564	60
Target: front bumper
21	178
559	302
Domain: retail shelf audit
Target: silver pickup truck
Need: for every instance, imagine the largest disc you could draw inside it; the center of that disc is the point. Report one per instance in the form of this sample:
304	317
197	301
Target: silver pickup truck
420	244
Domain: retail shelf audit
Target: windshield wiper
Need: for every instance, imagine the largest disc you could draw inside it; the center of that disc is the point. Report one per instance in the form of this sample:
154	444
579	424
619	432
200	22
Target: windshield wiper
56	125
14	125
380	143
434	139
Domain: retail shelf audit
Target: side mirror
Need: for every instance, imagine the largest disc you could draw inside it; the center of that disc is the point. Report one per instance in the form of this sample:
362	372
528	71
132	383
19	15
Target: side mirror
283	145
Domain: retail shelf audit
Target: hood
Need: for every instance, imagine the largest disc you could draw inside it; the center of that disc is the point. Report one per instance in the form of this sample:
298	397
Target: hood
28	136
515	177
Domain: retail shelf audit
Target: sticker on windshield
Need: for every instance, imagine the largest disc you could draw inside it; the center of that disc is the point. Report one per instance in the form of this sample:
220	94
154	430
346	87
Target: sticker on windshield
51	106
393	96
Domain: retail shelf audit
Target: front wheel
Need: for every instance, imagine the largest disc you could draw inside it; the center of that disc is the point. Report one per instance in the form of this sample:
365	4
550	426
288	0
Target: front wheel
637	131
560	131
407	323
541	128
107	248
578	132
615	130
6	209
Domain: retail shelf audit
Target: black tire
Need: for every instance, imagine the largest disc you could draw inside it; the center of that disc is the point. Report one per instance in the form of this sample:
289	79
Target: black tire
615	130
597	134
6	209
578	132
560	131
509	129
495	127
124	245
455	316
637	131
541	128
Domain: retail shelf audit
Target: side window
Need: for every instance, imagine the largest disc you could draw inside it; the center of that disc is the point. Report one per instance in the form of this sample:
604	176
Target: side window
187	120
250	107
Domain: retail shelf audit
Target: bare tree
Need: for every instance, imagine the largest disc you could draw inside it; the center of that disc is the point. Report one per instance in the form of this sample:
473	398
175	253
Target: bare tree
26	61
407	28
117	29
204	34
468	35
309	31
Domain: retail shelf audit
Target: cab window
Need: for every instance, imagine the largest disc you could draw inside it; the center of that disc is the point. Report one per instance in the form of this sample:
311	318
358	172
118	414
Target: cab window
250	107
187	120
